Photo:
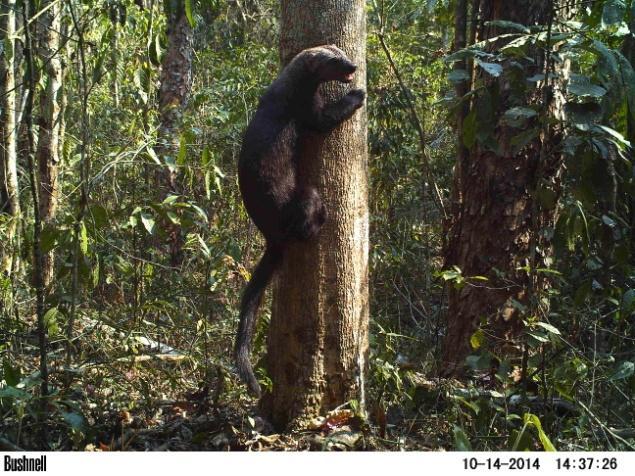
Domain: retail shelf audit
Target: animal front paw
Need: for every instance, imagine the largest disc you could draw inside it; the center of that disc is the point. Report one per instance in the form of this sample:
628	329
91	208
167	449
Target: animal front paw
356	97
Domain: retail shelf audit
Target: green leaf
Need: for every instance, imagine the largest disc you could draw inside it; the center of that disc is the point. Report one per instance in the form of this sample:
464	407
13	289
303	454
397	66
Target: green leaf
208	187
182	155
477	340
463	54
204	247
153	155
148	222
471	405
98	69
522	439
83	238
11	375
581	86
544	439
608	221
205	157
461	441
518	116
154	50
616	135
50	321
170	200
549	328
14	393
74	420
608	58
539	337
628	301
509	25
173	217
96	274
188	12
624	371
493	69
458	76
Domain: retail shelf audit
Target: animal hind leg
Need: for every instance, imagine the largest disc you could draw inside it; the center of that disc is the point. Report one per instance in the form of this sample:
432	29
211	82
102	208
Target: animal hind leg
304	215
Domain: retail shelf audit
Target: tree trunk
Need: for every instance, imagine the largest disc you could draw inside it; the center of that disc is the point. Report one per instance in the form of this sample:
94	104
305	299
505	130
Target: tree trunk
318	336
176	84
628	49
48	147
8	140
461	89
495	220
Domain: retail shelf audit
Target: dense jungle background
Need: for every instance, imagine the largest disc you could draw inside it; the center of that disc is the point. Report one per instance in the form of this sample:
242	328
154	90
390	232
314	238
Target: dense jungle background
501	208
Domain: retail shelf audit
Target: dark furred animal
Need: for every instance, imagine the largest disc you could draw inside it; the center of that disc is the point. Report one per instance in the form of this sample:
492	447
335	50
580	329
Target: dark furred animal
281	209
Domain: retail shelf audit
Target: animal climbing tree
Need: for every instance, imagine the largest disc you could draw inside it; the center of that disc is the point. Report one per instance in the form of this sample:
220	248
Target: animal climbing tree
318	337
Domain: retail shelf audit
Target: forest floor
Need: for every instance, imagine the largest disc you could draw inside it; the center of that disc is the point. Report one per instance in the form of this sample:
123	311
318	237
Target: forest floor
191	424
95	419
130	393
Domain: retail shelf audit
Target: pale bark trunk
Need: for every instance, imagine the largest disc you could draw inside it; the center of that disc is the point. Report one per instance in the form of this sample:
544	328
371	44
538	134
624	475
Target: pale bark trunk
495	220
9	139
318	336
176	84
48	145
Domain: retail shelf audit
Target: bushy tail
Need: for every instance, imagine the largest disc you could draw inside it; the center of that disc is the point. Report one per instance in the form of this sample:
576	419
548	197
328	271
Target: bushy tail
252	296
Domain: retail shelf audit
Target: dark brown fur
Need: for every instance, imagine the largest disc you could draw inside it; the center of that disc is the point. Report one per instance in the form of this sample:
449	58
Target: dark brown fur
281	209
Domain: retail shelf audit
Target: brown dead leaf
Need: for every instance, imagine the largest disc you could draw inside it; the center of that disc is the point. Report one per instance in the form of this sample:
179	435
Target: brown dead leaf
126	417
337	419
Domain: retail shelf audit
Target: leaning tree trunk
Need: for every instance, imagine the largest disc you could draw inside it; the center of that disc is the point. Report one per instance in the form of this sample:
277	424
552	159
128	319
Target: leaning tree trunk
318	335
48	145
495	220
176	84
8	140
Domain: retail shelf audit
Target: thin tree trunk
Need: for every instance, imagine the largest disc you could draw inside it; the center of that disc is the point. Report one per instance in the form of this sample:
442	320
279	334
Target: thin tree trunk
37	229
47	154
8	140
318	336
176	84
495	221
461	89
628	49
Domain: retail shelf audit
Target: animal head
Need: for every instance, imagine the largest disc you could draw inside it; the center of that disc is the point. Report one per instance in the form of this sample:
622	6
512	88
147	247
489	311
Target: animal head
327	63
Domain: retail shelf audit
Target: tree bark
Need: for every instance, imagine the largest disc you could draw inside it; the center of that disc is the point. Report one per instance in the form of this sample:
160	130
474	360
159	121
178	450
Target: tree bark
495	219
628	49
318	335
176	84
8	140
48	144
